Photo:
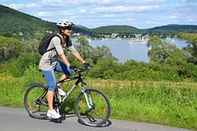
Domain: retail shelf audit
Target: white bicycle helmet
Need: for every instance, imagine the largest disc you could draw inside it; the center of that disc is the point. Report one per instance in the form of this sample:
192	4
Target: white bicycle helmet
64	24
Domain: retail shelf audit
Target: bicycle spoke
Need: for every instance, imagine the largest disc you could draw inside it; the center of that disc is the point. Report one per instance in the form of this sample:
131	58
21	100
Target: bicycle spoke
35	101
93	108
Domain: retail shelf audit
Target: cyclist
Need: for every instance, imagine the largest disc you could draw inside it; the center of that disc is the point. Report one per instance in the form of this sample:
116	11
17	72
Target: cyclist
55	60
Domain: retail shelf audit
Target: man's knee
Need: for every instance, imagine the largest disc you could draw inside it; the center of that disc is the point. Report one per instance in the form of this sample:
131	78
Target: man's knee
52	85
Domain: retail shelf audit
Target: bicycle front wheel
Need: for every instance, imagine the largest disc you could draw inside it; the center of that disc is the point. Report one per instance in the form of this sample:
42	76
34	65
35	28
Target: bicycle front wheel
35	101
92	108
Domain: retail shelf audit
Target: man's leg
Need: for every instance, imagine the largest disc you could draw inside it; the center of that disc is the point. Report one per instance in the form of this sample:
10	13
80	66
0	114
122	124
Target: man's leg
51	80
63	77
50	95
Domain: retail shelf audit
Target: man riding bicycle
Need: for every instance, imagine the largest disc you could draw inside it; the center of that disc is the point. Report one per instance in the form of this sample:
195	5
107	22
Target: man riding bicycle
55	60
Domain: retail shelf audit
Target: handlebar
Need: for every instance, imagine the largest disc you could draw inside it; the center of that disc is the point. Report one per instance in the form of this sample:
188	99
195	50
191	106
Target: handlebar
81	69
77	73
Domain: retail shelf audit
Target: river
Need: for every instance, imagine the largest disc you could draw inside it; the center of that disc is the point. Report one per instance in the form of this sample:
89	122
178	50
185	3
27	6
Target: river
132	50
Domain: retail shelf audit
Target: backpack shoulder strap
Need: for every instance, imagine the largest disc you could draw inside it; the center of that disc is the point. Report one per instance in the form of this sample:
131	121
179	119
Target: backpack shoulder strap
61	40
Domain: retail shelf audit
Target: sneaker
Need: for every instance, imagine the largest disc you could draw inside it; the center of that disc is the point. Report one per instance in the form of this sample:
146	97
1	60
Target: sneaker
52	114
61	92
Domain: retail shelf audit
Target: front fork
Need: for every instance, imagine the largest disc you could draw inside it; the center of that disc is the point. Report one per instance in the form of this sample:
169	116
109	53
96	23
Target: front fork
88	98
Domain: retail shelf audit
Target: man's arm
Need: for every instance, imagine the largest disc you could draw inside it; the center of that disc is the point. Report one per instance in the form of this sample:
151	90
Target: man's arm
76	54
64	59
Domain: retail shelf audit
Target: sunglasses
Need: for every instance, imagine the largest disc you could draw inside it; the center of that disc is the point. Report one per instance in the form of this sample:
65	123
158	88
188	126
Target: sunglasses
68	28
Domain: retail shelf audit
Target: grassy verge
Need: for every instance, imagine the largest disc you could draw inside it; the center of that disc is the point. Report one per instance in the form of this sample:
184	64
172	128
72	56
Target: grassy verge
170	103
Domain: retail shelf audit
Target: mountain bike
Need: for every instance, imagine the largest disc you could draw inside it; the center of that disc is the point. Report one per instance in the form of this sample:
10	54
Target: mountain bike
91	106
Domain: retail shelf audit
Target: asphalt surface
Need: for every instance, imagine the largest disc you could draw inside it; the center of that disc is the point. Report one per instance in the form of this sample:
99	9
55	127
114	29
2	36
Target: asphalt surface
12	119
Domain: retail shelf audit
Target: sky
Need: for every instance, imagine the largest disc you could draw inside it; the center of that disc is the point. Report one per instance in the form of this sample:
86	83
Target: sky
94	13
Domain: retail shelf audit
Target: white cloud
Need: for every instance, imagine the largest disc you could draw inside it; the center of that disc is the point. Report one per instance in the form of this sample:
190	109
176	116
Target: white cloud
128	8
75	2
109	15
44	14
191	20
22	6
101	2
59	2
54	13
155	1
83	11
173	17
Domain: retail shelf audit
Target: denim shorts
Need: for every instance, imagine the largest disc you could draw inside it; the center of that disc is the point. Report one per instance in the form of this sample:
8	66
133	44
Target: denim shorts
49	75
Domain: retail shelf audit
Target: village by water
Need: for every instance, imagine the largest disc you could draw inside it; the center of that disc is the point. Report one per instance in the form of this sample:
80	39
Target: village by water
132	49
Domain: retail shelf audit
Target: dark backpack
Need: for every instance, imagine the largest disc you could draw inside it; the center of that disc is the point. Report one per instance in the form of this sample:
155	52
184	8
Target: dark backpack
45	42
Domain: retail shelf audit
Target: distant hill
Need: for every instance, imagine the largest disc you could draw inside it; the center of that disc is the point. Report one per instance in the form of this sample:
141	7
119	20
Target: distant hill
116	29
82	29
160	29
173	28
14	23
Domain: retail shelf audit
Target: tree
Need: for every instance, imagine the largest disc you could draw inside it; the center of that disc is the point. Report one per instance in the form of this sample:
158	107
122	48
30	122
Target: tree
92	54
191	38
165	53
9	47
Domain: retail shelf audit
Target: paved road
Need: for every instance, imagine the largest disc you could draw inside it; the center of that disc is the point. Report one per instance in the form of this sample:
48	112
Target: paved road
18	120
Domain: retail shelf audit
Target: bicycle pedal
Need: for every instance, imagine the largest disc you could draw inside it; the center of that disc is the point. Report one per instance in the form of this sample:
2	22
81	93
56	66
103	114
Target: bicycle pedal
63	117
59	120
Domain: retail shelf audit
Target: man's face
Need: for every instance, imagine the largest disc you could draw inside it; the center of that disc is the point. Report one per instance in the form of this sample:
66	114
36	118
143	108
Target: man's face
67	31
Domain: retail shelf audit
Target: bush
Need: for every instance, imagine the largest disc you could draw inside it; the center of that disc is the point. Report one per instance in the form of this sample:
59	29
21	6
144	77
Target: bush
9	48
16	67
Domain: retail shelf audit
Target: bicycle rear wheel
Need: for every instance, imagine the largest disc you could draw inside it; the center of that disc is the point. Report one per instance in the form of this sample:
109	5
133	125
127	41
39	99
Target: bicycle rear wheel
35	101
93	108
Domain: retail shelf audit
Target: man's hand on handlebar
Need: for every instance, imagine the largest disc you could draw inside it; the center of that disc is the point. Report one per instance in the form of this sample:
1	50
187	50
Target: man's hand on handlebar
86	66
74	70
70	70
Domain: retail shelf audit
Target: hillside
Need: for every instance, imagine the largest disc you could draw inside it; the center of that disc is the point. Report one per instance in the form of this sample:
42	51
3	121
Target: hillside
82	29
173	28
16	23
160	29
116	29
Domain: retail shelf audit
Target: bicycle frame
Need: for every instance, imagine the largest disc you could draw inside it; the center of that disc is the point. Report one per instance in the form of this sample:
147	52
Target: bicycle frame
79	83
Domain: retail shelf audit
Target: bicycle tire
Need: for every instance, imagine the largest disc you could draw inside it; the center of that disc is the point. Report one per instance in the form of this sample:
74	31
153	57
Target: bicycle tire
84	118
42	90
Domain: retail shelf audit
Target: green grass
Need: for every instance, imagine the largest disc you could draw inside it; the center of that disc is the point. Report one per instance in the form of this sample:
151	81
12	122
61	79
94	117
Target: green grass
169	103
